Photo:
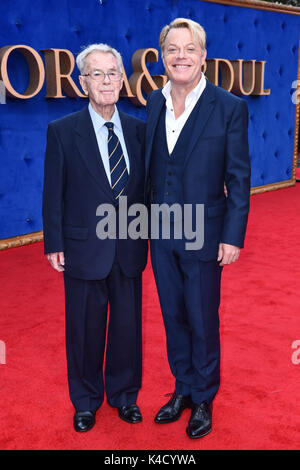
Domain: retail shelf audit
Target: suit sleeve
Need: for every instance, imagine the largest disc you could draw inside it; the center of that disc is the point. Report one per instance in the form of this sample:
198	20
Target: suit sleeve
237	177
53	194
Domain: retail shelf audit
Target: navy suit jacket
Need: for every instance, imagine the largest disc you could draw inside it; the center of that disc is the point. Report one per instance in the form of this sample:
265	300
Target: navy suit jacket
217	153
75	184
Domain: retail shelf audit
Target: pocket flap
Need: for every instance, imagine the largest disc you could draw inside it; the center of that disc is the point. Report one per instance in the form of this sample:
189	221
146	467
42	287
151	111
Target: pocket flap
77	233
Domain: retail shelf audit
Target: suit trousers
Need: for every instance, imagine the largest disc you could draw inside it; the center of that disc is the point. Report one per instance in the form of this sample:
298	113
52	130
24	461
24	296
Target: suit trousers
189	294
103	316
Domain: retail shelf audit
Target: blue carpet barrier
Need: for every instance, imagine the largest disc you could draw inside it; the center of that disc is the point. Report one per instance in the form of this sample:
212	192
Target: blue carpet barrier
258	52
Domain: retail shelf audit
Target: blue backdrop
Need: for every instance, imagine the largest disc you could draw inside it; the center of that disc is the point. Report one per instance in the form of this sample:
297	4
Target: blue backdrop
233	33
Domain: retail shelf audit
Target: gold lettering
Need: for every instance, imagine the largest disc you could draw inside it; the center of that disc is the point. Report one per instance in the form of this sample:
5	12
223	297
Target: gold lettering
141	78
260	79
59	65
244	76
214	66
35	66
126	90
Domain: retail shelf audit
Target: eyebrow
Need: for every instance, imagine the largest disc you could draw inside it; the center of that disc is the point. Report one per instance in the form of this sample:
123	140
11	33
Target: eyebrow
109	70
175	45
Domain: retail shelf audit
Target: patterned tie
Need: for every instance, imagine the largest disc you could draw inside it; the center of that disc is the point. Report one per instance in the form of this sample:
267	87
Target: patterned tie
118	168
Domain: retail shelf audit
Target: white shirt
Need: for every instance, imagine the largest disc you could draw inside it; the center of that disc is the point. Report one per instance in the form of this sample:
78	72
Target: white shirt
174	126
101	132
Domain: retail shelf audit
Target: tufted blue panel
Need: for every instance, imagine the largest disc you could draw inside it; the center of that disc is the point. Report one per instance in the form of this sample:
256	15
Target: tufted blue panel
233	33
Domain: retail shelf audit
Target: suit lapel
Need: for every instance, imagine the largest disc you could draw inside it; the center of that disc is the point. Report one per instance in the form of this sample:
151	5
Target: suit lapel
87	145
152	121
203	112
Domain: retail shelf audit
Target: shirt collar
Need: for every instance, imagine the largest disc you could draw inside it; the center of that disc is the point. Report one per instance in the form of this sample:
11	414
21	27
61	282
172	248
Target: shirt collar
99	121
193	95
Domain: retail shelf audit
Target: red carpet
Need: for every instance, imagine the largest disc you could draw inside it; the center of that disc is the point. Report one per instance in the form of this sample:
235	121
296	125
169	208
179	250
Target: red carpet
257	406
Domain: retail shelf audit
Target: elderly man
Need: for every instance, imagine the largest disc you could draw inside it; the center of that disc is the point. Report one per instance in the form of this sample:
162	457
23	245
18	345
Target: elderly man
94	157
196	141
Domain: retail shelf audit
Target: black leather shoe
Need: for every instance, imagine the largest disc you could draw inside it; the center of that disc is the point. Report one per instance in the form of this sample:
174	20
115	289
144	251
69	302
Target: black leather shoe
200	421
84	421
130	413
172	410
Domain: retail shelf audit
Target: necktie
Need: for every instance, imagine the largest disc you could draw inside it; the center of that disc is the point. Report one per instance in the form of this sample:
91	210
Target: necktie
117	163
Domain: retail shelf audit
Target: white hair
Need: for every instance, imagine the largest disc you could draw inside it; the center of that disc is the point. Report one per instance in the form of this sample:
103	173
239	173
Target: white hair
81	58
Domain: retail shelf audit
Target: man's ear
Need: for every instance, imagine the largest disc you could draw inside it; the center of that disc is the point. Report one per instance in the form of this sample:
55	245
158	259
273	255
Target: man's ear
121	83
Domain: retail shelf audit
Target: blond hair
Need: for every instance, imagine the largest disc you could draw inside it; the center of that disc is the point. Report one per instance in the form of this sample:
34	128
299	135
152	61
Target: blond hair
195	29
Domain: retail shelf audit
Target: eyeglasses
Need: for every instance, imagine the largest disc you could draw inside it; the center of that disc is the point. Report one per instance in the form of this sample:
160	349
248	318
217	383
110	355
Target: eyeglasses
99	76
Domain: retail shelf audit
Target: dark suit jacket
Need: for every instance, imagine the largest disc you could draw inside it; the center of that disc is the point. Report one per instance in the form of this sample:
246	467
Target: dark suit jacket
75	184
217	153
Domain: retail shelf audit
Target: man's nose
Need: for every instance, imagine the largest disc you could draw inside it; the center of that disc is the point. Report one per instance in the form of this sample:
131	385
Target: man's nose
181	53
106	78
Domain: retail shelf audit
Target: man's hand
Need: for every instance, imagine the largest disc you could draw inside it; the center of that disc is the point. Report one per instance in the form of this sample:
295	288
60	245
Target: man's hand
228	254
57	261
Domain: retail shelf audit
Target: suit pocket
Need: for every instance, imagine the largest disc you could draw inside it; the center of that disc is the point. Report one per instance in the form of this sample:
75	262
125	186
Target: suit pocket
76	233
216	211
